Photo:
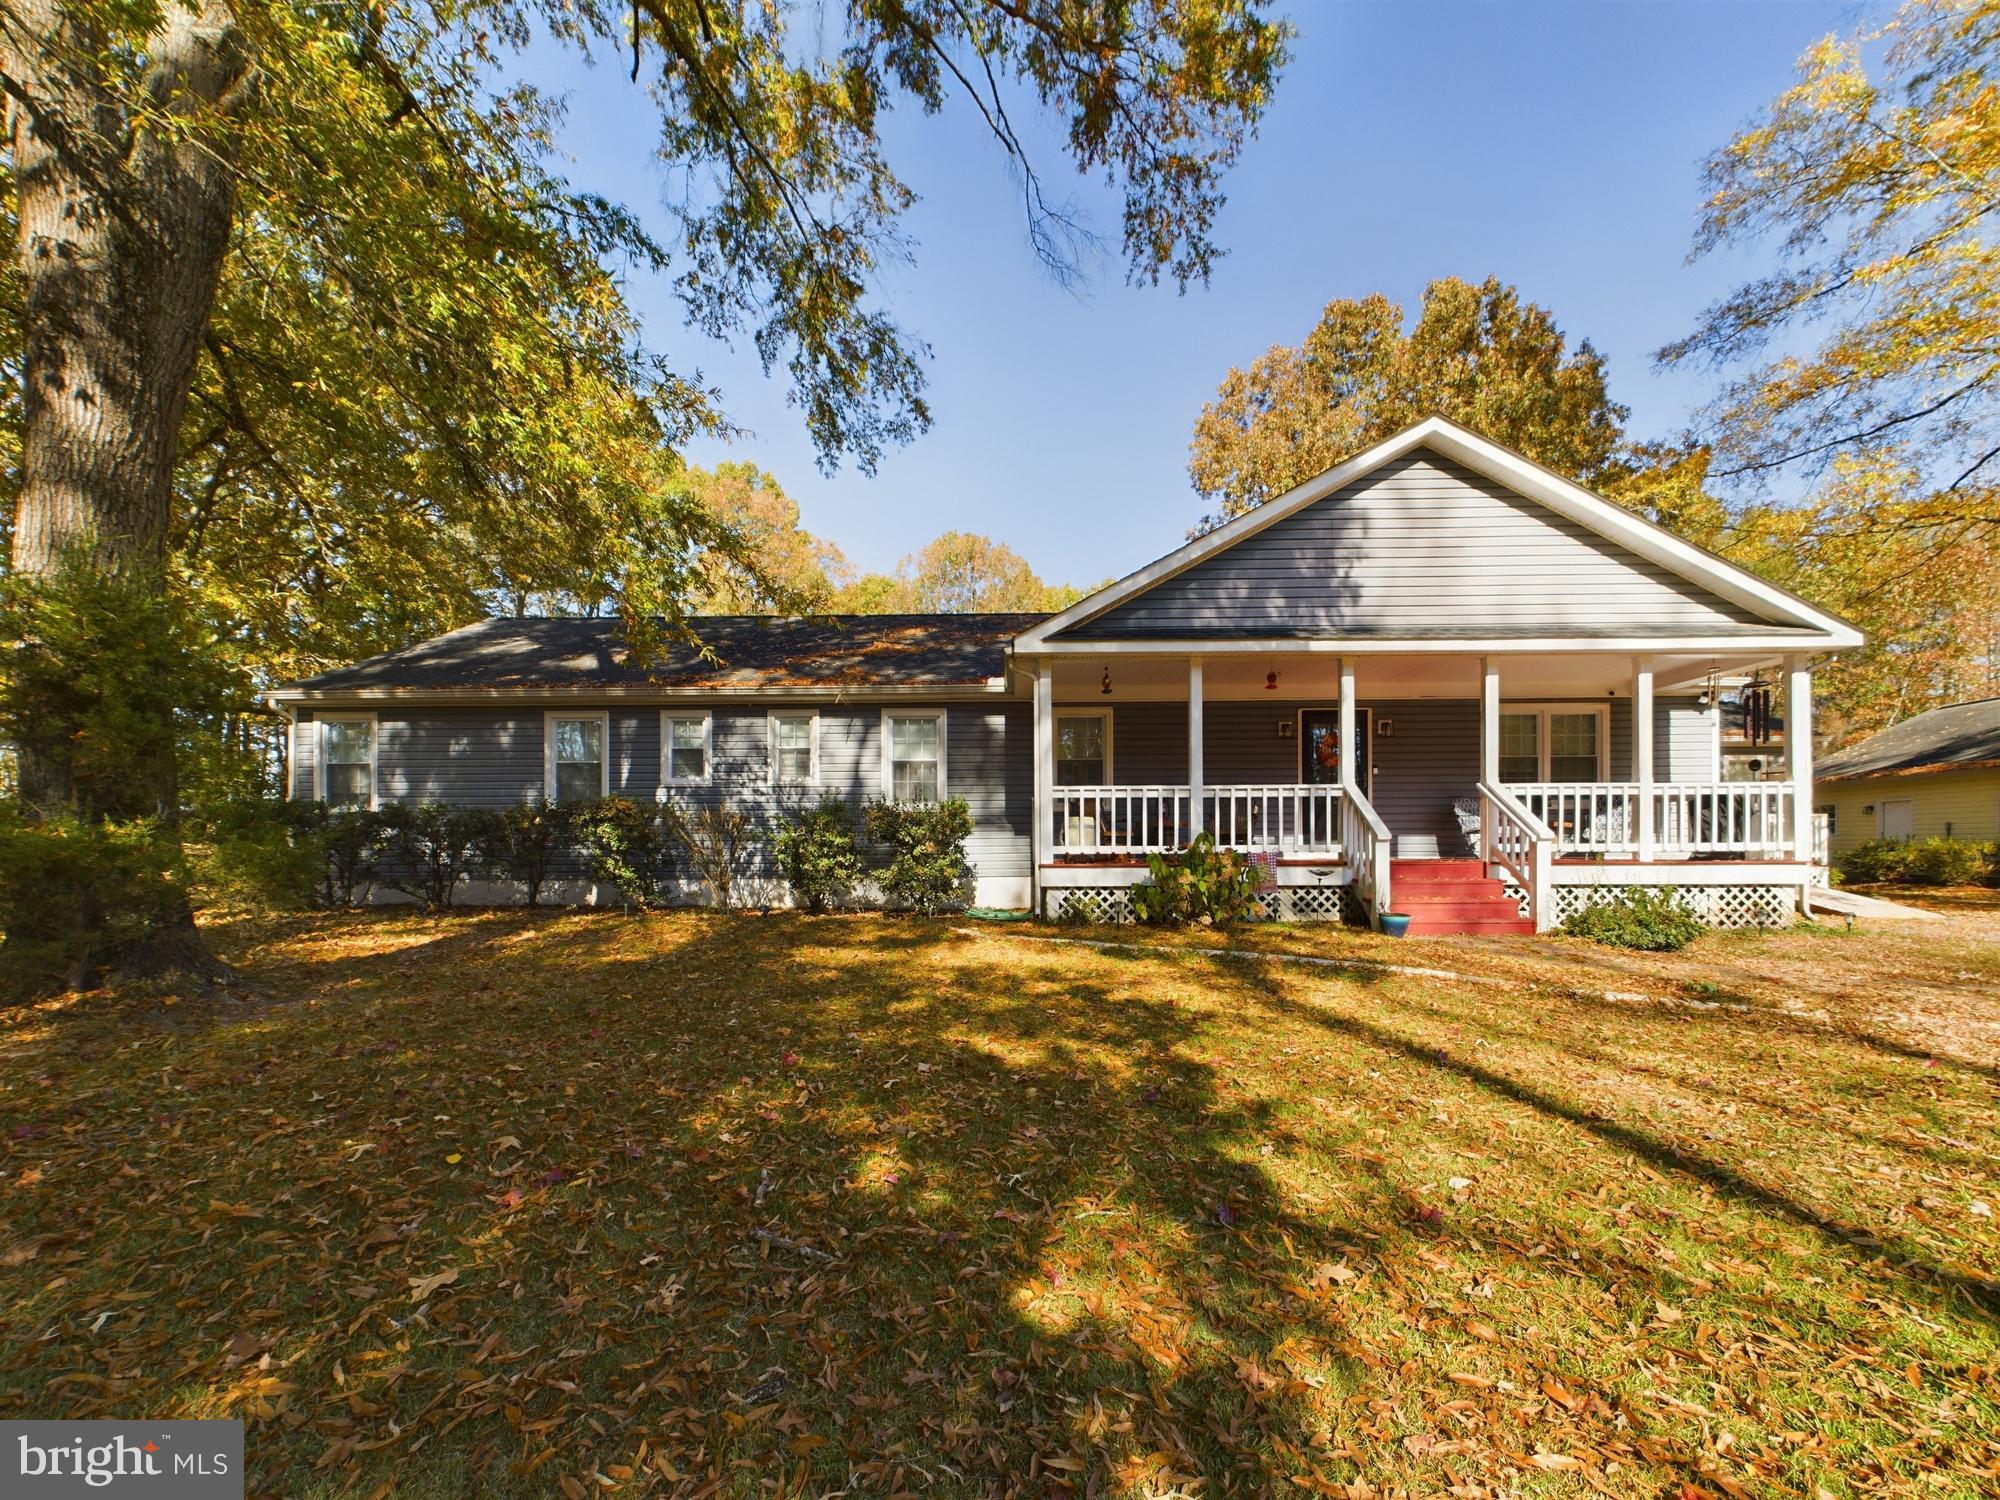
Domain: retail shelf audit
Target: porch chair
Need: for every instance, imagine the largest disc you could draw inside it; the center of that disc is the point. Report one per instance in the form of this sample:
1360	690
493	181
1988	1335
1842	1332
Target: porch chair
1466	810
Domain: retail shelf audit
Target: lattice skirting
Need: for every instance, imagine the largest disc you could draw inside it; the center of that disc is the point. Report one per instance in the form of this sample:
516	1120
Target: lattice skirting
1717	905
1112	904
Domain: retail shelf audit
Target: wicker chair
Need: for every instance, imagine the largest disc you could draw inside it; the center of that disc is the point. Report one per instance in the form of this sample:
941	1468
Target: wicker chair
1466	810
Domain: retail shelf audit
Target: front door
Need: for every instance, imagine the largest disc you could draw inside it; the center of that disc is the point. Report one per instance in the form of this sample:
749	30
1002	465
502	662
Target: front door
1899	820
1319	747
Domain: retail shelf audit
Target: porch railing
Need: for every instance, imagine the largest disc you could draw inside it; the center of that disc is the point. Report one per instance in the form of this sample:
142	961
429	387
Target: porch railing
1135	820
1285	818
1364	840
1750	818
1519	842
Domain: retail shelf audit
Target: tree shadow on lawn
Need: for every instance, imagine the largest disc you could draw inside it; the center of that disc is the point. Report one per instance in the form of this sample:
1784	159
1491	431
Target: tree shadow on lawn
1975	1294
1061	1259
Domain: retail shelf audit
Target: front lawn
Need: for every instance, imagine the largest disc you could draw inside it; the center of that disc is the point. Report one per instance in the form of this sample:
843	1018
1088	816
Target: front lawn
517	1204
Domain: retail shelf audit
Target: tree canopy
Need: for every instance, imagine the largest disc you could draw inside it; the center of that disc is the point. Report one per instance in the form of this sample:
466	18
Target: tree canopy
1870	184
1477	354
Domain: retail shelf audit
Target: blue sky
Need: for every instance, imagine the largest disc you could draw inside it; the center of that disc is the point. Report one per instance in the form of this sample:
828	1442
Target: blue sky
1558	146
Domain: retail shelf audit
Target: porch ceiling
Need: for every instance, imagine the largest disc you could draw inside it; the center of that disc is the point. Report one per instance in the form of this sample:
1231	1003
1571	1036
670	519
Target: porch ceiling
1244	677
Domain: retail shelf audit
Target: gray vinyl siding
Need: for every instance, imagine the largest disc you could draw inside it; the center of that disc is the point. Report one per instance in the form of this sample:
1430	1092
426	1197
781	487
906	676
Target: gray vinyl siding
1380	557
305	744
494	758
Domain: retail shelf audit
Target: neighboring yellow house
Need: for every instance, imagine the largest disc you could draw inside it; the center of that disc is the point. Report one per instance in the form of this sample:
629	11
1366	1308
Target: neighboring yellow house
1934	776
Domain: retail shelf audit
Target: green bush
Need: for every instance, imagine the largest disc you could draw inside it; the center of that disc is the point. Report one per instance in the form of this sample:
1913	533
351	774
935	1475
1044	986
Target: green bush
1202	883
927	870
626	845
526	842
76	893
817	854
1651	919
351	845
1921	862
427	848
264	850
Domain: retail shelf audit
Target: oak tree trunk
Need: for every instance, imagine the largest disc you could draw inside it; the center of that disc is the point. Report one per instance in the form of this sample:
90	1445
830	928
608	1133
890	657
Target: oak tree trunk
125	185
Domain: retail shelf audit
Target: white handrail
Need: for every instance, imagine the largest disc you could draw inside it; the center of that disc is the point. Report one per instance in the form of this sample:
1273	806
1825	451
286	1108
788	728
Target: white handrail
1513	838
1364	842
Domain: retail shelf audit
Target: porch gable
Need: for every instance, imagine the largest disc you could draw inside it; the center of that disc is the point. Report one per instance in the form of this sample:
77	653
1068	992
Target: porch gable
1439	535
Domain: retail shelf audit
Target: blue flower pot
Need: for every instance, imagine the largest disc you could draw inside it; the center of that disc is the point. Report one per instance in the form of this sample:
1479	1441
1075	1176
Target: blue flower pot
1396	923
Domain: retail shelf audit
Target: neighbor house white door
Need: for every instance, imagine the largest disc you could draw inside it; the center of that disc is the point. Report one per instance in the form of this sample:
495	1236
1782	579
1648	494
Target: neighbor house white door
1899	819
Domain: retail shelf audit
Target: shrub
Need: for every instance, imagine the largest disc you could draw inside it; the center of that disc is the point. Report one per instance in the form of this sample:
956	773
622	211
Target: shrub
265	850
716	837
76	893
817	854
1200	884
525	842
626	845
429	848
927	869
1922	862
350	843
1653	920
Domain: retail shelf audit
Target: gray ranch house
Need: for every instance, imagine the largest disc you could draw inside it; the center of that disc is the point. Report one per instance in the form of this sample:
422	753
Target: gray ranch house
1438	678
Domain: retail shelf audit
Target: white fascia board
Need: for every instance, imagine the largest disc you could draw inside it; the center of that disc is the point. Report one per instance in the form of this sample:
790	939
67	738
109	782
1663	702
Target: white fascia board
1523	476
1497	646
292	699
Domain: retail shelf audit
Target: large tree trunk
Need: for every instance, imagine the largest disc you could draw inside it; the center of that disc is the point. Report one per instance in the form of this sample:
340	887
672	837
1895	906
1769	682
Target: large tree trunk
125	183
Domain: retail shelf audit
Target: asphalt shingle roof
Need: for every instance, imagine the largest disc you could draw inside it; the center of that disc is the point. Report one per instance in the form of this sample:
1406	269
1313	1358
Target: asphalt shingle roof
750	652
1960	736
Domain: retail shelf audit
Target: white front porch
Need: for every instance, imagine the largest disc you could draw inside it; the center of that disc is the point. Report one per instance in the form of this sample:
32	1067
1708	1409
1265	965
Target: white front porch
1324	825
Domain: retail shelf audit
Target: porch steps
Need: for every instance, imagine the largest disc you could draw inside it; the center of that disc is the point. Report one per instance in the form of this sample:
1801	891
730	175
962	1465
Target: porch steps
1453	896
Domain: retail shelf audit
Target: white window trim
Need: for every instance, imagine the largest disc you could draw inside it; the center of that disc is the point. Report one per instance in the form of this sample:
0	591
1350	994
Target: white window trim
811	715
1055	739
549	719
667	718
374	754
1542	712
889	747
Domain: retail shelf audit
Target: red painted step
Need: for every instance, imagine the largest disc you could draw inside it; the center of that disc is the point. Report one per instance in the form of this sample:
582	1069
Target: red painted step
1453	896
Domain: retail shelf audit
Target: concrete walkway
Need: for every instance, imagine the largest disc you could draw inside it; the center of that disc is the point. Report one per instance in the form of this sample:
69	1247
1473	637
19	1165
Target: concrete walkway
1854	904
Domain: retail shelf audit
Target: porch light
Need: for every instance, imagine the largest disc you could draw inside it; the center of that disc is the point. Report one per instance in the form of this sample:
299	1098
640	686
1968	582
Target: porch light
1106	688
1270	682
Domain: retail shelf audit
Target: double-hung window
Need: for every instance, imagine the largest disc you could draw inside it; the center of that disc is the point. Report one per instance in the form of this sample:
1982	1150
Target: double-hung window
913	755
795	749
347	760
1083	749
1556	743
686	741
579	765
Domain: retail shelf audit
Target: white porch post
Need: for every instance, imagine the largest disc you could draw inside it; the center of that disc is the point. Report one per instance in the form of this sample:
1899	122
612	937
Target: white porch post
1642	751
1799	752
1045	773
1349	762
1194	747
1489	720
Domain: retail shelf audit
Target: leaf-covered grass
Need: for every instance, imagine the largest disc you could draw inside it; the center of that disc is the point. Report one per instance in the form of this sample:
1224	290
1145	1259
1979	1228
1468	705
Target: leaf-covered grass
518	1204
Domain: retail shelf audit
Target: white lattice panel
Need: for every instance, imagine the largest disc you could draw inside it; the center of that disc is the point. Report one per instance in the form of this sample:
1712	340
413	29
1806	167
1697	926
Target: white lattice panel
1329	903
1717	905
1310	903
1099	906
